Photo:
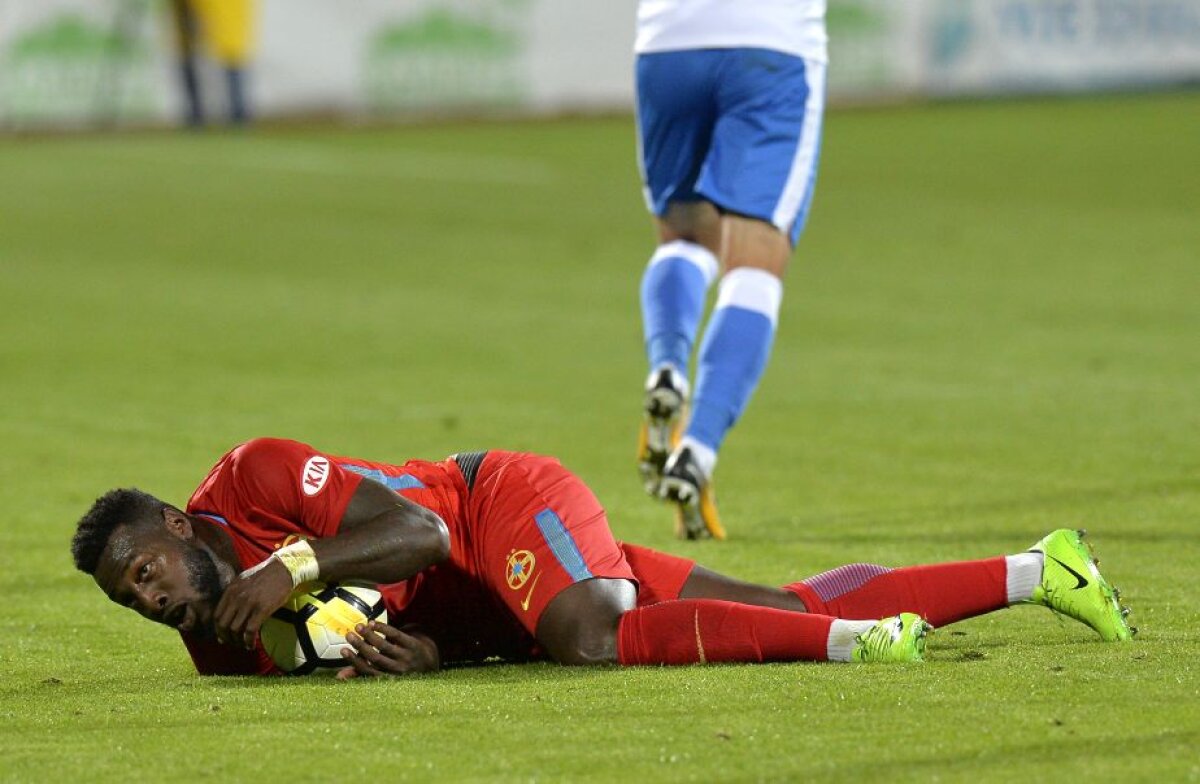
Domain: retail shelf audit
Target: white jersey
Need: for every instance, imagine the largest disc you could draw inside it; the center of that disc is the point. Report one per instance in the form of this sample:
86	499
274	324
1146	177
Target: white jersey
792	26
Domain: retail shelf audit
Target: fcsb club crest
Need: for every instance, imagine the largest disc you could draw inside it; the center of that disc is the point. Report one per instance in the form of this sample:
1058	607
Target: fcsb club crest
520	566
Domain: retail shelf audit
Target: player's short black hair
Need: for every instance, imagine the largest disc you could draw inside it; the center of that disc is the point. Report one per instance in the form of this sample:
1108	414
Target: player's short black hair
114	508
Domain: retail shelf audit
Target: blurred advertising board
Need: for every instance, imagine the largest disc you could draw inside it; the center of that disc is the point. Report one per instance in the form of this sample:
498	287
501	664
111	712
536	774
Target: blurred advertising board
987	46
66	63
79	63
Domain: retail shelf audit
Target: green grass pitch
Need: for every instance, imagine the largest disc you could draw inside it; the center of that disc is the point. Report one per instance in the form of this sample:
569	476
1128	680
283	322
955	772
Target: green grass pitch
991	329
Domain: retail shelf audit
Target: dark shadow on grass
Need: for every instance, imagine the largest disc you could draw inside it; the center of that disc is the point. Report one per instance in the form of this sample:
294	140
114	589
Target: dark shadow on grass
491	673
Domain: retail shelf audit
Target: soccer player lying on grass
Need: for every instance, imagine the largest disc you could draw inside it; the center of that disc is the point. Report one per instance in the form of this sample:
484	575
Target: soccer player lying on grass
502	554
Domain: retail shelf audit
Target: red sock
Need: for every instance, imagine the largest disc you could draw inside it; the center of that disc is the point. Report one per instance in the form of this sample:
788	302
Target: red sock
691	631
939	593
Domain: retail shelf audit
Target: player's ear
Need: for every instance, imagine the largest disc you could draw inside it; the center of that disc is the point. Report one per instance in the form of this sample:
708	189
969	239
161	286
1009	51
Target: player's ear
177	523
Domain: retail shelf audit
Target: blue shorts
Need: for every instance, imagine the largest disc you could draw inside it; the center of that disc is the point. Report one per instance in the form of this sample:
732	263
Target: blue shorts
740	128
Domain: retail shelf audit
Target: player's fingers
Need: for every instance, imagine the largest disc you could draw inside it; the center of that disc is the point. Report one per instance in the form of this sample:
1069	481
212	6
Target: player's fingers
244	636
375	639
245	622
223	605
250	633
222	618
346	673
380	654
360	665
230	617
404	652
371	650
237	625
392	634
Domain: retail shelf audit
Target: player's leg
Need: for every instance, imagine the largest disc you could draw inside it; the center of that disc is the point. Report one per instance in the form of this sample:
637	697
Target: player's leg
1058	572
676	281
701	631
760	172
595	622
941	593
673	292
545	549
185	24
704	583
675	113
686	593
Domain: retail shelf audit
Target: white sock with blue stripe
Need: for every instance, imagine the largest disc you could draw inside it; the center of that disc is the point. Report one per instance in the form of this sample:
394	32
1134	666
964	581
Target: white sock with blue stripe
733	355
673	291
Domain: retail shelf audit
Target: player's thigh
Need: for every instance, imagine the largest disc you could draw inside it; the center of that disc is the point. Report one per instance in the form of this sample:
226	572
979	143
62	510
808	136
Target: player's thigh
766	141
541	532
693	221
661	576
676	112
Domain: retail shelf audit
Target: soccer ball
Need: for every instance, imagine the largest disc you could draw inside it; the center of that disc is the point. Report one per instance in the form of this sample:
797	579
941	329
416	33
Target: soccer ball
309	632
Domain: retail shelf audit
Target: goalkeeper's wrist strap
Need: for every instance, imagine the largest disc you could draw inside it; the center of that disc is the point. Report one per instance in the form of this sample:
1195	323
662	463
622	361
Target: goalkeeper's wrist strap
300	561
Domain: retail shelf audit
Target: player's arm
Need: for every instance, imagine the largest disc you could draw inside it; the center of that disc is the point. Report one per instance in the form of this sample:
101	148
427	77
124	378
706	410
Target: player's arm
382	537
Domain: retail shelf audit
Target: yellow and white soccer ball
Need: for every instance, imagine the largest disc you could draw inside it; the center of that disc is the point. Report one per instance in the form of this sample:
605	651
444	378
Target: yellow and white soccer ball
309	632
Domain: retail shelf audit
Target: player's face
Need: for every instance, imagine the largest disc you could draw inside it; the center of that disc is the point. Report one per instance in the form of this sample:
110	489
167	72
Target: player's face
163	577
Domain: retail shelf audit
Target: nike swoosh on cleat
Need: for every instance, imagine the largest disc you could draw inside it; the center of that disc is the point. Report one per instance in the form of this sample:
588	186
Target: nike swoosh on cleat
1082	581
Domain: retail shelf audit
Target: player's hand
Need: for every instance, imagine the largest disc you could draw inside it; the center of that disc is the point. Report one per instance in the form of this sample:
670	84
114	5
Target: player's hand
249	600
379	649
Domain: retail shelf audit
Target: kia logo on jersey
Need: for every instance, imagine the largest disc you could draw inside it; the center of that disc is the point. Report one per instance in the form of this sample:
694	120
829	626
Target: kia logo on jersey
314	475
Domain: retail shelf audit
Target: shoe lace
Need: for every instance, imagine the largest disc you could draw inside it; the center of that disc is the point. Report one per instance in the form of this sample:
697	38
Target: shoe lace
1052	599
877	641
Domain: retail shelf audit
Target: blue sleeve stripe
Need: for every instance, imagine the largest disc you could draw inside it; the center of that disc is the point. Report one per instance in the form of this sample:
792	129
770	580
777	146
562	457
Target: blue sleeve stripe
397	483
562	545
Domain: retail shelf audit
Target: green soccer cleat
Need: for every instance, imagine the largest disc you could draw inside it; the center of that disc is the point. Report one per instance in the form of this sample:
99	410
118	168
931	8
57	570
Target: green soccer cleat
1072	585
900	638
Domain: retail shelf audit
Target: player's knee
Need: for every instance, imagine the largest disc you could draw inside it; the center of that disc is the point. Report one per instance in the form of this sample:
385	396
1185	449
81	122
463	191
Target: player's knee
758	244
590	647
697	222
579	626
